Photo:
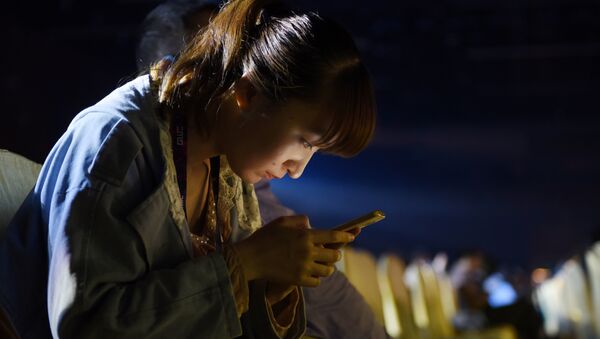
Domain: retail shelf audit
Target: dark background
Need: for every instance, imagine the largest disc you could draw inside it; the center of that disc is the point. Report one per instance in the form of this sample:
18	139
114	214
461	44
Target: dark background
488	132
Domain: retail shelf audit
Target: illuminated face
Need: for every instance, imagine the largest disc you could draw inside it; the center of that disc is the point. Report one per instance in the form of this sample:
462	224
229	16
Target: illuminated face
268	141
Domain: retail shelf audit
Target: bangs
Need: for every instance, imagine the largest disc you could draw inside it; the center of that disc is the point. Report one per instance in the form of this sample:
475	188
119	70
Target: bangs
350	100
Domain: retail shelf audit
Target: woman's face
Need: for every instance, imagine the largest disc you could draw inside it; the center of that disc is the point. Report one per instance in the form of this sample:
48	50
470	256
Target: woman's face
267	141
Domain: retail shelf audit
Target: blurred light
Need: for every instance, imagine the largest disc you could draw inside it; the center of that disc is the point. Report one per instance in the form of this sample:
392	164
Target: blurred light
500	291
440	262
390	311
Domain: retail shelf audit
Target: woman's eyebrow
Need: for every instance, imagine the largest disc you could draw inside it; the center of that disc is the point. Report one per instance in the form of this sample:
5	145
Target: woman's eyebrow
313	136
316	128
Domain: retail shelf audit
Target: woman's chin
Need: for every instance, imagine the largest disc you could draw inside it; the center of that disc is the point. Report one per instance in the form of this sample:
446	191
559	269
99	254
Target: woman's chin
250	178
253	182
247	175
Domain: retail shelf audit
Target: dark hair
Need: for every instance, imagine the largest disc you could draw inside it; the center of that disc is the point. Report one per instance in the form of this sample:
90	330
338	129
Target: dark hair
164	29
285	55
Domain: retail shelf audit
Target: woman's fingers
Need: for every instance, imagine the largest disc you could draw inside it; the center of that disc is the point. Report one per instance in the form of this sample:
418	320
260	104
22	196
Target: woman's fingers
320	270
355	231
309	281
336	246
326	255
295	221
329	237
288	251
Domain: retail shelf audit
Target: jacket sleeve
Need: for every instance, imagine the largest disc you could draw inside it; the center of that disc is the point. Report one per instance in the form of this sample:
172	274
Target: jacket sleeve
260	310
100	287
118	267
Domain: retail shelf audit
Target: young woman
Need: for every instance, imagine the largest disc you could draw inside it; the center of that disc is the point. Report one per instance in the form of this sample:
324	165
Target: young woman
144	222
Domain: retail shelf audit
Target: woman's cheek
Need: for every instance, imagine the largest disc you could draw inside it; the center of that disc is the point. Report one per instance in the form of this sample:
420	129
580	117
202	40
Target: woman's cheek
281	154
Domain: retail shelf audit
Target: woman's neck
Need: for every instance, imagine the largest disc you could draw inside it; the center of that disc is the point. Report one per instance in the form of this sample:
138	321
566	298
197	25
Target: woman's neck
199	146
206	144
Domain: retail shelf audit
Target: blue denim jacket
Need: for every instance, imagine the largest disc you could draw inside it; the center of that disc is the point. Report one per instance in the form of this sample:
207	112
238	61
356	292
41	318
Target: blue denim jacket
94	253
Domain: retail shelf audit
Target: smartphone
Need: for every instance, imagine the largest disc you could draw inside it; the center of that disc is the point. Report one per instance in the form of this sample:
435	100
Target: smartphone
361	222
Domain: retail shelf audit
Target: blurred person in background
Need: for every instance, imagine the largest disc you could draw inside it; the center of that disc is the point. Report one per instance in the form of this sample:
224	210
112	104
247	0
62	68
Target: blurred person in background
334	309
169	27
487	299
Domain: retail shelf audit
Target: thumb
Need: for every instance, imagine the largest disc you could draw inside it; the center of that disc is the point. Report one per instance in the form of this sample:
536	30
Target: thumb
302	225
292	221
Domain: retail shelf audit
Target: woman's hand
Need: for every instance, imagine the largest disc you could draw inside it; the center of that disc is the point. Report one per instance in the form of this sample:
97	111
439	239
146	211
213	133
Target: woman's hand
336	246
287	251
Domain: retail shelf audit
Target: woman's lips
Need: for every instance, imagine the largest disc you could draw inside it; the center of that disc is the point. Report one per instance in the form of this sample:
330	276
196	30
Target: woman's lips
269	175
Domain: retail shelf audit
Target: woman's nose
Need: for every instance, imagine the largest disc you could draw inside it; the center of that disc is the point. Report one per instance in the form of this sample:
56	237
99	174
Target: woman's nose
295	172
295	168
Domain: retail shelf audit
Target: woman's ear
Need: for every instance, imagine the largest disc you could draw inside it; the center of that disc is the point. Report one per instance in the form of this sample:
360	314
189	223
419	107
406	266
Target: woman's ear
244	94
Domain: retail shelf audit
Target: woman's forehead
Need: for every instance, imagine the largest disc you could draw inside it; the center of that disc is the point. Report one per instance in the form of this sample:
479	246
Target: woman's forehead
308	116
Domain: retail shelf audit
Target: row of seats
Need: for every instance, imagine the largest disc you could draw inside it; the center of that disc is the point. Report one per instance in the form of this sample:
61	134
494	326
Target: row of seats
570	299
414	301
17	177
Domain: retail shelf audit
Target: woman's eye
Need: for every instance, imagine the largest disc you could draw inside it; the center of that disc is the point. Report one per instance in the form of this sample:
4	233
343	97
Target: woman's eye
307	144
